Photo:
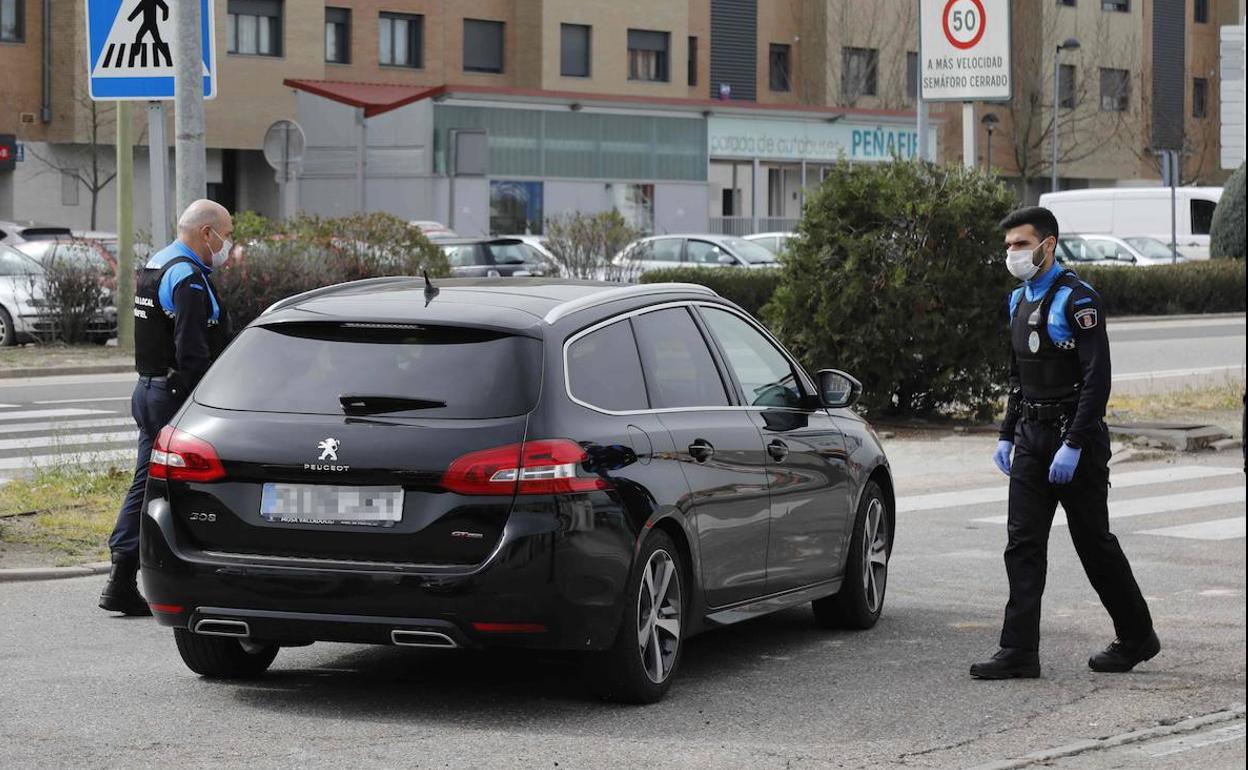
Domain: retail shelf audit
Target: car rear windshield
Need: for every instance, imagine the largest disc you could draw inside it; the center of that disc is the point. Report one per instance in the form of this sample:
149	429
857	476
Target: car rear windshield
306	368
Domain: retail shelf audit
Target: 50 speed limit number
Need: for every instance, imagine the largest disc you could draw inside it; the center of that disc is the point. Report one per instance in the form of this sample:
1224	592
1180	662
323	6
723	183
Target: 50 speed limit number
963	23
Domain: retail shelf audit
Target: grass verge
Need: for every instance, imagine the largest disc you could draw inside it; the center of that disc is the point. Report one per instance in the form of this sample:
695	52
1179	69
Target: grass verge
70	513
1221	405
43	356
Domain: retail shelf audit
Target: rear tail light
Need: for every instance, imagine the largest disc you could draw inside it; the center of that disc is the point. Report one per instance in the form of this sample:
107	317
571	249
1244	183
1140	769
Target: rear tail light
546	467
179	456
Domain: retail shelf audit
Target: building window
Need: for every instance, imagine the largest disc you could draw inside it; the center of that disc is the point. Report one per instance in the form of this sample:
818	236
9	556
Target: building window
1200	11
574	53
1068	3
254	27
338	35
693	61
858	72
1121	6
1115	90
69	187
483	46
778	71
912	76
1200	98
516	207
12	21
400	40
647	55
1066	86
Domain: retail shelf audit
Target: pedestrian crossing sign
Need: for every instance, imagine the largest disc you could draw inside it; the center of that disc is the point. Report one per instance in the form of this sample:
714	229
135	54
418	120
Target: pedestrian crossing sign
128	42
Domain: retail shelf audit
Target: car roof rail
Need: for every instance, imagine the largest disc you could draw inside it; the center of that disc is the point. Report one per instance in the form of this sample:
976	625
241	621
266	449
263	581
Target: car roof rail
587	301
295	299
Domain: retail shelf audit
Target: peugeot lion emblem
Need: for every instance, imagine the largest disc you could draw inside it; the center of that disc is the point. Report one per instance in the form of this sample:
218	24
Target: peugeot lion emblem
329	449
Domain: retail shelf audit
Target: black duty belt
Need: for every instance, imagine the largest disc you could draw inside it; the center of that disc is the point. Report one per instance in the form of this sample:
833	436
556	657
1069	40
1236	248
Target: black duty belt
1048	412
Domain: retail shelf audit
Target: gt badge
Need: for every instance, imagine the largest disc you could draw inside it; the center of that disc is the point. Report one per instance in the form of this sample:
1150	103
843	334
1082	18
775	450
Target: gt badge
329	449
1086	318
1033	342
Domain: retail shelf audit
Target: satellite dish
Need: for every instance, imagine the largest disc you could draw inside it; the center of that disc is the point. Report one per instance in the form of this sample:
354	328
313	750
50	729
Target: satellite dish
284	144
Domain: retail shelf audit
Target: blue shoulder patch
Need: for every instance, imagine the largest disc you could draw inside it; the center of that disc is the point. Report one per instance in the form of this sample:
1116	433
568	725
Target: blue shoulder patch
196	286
1084	300
172	277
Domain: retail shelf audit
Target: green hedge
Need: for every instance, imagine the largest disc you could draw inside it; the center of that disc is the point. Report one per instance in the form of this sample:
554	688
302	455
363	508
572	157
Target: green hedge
1226	239
1216	286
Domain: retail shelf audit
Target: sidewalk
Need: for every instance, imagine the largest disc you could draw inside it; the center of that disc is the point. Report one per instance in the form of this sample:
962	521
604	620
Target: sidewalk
51	360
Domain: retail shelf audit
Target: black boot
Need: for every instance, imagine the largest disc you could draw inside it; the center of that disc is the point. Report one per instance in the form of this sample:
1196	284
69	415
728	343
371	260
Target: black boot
1122	656
121	594
1009	663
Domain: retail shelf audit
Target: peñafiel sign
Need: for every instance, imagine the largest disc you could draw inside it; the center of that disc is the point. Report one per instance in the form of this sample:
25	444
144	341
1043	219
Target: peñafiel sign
797	140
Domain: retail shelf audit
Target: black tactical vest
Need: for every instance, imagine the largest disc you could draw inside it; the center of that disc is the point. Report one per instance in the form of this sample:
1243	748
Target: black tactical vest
1047	372
154	351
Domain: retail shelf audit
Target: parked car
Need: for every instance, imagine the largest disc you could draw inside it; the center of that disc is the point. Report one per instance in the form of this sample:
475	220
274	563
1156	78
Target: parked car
1108	250
776	243
24	316
13	233
1139	211
83	252
493	258
434	231
538	244
463	465
666	251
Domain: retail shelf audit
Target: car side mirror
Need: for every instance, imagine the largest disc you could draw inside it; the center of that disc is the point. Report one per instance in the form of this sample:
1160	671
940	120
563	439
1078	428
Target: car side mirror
726	259
838	390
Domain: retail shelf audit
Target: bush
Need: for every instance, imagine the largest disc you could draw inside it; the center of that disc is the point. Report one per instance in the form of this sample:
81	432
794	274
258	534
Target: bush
583	245
74	295
1215	286
1226	239
279	259
751	289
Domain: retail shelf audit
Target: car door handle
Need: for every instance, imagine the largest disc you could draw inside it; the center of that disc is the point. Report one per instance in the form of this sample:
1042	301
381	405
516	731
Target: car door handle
701	450
778	450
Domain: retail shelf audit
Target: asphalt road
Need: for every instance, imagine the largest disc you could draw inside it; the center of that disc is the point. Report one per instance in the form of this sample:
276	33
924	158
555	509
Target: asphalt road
84	689
1151	355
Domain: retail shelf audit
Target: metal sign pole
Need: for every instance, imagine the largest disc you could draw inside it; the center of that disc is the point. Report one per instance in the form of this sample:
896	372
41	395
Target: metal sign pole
158	172
1173	155
968	135
125	227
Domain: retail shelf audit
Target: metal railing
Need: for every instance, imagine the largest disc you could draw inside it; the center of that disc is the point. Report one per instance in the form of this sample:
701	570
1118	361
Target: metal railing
740	226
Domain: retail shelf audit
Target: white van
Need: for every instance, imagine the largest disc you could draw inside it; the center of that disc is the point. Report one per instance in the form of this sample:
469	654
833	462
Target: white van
1129	212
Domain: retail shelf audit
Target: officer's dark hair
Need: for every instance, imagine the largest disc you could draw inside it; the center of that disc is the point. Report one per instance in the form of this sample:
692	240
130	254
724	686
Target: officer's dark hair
1037	216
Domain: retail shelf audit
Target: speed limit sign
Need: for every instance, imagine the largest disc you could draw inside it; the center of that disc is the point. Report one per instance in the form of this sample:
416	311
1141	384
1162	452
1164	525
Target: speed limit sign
964	50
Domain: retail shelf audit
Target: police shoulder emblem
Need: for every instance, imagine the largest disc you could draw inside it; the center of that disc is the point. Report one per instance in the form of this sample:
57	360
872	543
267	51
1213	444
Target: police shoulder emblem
1033	342
1086	318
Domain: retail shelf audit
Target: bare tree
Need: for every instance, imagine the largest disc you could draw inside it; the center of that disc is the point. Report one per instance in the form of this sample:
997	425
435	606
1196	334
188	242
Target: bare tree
1201	140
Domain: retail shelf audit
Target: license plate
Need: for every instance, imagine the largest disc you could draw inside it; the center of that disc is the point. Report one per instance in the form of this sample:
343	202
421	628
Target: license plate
326	504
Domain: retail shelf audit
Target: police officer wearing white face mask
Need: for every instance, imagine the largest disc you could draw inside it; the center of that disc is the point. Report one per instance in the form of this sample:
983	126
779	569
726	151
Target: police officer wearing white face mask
1054	446
179	330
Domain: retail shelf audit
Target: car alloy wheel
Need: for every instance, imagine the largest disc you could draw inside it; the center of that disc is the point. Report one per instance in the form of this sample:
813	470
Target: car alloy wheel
875	549
658	616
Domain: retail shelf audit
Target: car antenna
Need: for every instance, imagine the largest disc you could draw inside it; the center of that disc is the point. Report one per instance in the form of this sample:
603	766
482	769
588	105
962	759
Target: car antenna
431	291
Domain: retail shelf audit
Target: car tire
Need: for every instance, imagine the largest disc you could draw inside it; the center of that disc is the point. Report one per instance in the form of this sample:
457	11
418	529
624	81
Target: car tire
861	599
223	657
8	335
626	673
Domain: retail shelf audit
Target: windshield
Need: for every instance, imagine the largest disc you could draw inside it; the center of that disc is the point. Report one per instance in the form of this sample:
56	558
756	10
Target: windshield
76	254
14	262
508	253
307	368
750	252
463	255
1149	247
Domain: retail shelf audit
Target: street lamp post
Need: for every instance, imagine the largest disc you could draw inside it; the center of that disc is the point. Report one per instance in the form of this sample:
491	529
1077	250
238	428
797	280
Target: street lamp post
990	121
1071	44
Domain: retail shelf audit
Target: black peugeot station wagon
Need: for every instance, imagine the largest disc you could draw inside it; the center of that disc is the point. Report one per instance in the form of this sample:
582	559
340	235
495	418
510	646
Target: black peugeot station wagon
529	462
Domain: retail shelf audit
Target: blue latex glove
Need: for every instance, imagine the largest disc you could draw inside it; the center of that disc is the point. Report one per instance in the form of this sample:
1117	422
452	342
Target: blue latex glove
1001	457
1064	462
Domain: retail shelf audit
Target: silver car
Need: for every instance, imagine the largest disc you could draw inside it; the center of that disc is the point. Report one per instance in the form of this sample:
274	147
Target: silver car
21	296
667	251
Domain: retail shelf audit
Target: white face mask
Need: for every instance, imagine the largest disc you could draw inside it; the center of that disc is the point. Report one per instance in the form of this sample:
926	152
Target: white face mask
1021	263
222	255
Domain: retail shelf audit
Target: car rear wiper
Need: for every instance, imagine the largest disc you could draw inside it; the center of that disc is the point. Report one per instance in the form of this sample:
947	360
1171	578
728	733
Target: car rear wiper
369	404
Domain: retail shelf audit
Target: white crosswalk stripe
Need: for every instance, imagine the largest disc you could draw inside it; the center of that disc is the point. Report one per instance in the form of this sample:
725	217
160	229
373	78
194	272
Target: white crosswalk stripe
55	426
1144	506
120	457
1218	529
47	414
74	439
84	400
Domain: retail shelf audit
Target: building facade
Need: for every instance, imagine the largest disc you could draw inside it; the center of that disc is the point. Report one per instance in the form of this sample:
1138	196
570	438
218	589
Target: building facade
725	109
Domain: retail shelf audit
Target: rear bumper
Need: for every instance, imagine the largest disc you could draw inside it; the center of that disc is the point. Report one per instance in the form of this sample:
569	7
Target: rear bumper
547	585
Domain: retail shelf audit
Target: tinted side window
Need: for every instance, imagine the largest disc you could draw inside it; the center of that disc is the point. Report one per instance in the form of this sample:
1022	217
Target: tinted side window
764	373
665	250
1202	216
604	369
678	365
703	253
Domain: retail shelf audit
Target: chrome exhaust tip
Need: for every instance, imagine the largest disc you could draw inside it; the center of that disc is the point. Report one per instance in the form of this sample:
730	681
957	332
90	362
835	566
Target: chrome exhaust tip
219	627
408	638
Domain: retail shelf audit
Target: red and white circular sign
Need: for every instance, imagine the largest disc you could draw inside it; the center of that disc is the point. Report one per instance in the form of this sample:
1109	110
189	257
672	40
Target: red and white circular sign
963	23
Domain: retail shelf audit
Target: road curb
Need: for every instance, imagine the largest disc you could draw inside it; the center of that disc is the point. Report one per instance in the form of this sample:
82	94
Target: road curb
56	371
1132	319
25	574
1114	741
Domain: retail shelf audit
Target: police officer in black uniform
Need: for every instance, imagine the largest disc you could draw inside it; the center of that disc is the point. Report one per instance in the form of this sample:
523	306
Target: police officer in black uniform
1055	448
179	330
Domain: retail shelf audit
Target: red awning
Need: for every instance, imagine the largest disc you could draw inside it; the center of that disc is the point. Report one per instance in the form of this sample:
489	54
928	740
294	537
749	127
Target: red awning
375	98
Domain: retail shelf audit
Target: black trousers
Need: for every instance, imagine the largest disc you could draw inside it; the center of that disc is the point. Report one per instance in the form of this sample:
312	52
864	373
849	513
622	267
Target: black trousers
152	406
1033	501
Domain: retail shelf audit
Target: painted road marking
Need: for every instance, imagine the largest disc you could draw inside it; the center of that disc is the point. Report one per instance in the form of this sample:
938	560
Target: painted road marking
1218	529
1145	506
45	414
1167	373
84	400
42	442
65	425
999	494
1189	742
70	458
8	406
